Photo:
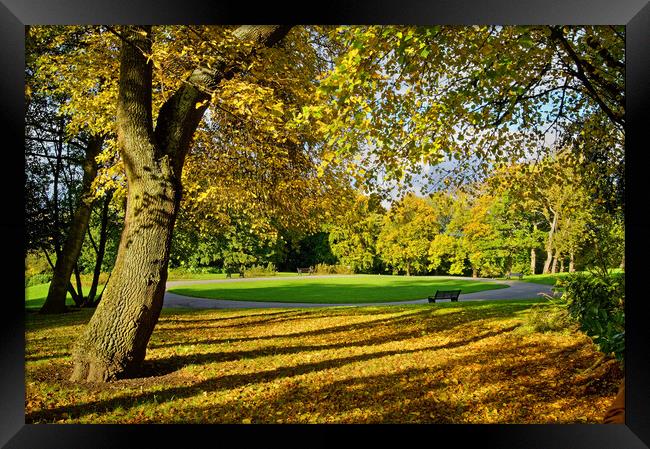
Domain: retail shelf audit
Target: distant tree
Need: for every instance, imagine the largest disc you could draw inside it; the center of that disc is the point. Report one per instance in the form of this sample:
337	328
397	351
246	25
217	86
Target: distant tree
407	230
353	238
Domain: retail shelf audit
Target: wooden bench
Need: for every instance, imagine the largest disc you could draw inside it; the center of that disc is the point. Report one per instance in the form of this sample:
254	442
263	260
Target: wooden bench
519	275
445	294
309	270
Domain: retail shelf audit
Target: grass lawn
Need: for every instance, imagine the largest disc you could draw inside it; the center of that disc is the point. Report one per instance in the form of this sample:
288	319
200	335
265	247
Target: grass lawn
551	279
336	290
445	363
36	294
546	279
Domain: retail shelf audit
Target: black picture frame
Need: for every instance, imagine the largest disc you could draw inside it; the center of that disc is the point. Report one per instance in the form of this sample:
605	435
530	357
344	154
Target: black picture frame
635	14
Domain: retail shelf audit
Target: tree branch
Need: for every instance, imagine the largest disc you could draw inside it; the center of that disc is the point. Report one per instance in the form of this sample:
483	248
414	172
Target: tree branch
556	33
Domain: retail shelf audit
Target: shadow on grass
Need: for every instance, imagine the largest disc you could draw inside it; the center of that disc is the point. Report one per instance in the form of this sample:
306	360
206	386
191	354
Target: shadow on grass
34	321
438	321
171	364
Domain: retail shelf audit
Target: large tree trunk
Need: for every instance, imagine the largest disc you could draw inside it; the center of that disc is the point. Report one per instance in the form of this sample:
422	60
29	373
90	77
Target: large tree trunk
66	260
114	343
554	266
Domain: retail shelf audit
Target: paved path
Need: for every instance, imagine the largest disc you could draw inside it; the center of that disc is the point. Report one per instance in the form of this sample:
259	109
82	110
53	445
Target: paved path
516	290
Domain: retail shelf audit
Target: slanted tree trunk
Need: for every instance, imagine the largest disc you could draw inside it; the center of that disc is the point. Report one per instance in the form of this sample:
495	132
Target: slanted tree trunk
100	250
533	260
67	259
554	266
78	295
113	344
549	245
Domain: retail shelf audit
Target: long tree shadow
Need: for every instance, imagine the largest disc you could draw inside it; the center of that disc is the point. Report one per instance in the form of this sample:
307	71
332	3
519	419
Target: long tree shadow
383	398
355	327
159	367
168	317
436	322
34	321
246	323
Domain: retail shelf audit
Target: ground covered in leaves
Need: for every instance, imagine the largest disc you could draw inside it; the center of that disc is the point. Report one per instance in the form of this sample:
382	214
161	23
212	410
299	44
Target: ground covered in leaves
474	362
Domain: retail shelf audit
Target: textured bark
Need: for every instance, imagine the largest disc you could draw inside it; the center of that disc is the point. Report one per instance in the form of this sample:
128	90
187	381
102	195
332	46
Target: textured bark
67	259
549	245
533	260
114	343
554	265
571	263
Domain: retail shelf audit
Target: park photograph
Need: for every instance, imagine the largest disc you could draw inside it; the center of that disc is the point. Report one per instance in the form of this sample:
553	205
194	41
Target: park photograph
325	224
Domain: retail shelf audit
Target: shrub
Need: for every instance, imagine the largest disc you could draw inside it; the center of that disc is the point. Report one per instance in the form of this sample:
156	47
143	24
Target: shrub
323	268
260	270
190	269
36	279
36	264
598	304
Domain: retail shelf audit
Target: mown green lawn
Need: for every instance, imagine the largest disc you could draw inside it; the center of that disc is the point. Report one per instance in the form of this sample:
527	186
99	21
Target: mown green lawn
551	279
334	290
36	294
546	279
472	362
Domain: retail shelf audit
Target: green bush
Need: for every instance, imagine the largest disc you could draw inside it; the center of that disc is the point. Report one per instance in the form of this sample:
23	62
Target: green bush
260	270
323	268
195	270
598	304
36	263
36	279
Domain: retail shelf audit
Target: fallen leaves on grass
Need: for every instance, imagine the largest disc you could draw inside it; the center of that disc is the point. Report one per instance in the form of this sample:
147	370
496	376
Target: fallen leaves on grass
449	363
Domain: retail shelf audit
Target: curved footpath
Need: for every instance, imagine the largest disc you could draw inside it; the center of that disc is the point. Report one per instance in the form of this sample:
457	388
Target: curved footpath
516	290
